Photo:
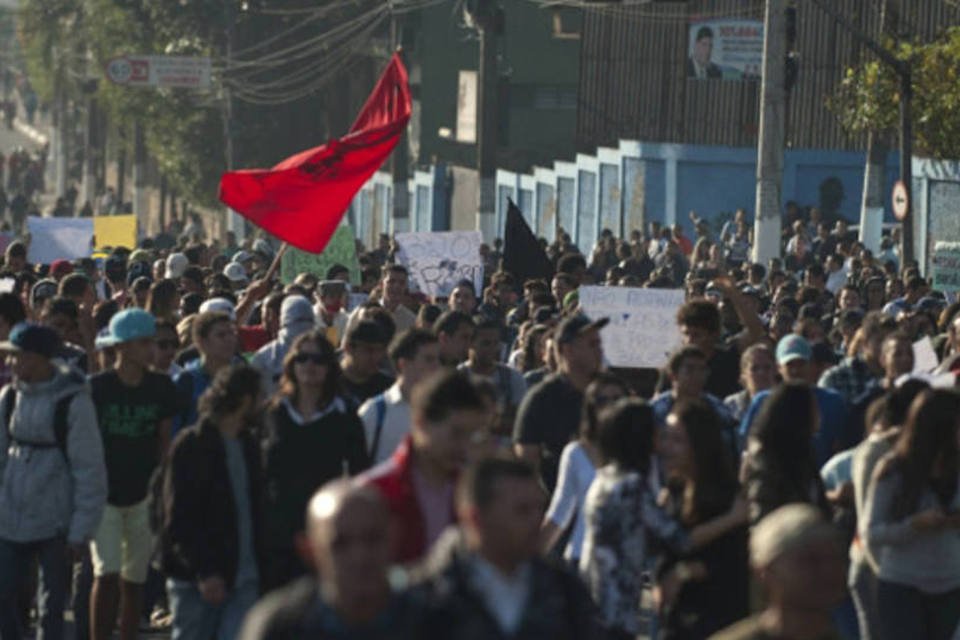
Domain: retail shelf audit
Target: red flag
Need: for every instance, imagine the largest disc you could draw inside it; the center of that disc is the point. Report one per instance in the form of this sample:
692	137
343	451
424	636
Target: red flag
302	199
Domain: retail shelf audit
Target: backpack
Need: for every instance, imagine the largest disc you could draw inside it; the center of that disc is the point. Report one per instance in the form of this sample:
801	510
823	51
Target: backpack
60	423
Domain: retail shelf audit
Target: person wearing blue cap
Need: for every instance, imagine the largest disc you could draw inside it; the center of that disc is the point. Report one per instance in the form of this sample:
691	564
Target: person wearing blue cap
53	480
134	409
794	355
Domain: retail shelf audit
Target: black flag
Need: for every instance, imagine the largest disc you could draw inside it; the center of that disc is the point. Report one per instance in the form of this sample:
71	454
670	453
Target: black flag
522	254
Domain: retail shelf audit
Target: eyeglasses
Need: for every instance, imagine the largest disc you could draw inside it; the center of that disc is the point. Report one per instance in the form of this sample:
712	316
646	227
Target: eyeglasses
315	358
167	344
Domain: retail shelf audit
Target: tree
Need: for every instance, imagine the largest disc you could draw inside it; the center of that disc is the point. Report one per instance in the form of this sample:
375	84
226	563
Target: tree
867	99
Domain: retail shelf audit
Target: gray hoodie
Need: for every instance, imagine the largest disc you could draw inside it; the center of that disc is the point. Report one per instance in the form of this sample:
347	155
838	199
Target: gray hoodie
296	318
42	492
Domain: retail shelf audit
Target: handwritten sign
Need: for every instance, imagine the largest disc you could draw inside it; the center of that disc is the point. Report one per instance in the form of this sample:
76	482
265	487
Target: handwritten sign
54	238
115	231
643	328
342	249
946	266
438	260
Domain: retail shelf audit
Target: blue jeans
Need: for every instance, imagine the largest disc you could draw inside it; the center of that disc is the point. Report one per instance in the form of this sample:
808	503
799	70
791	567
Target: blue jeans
15	559
905	612
196	619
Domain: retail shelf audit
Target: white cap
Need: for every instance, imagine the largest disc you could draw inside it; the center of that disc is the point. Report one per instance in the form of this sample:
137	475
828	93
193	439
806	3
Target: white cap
177	263
219	304
236	273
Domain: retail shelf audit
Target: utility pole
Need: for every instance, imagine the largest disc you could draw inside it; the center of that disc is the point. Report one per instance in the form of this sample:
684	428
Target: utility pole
235	222
400	159
141	203
487	15
905	73
871	208
767	225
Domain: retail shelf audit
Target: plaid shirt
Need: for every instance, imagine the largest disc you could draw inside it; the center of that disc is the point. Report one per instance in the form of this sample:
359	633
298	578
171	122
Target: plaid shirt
851	378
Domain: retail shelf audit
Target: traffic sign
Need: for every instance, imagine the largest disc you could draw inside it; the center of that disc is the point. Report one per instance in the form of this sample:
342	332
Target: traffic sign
901	200
182	72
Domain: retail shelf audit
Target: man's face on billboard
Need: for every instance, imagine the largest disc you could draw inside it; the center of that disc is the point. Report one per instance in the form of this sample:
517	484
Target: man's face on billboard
702	50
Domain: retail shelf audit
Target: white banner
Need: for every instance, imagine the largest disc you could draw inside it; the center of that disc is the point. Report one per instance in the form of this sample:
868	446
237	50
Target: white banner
438	260
183	72
55	238
643	328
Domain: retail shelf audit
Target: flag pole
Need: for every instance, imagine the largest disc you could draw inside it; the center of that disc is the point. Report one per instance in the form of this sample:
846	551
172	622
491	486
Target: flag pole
272	271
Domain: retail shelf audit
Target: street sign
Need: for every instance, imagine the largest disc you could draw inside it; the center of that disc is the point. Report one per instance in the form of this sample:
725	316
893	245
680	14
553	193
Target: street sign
901	201
180	72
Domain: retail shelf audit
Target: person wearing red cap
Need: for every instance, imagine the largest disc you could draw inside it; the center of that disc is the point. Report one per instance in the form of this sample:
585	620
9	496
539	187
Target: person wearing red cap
59	269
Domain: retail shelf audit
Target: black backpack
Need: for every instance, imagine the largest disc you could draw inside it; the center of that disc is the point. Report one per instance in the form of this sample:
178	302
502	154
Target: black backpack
60	423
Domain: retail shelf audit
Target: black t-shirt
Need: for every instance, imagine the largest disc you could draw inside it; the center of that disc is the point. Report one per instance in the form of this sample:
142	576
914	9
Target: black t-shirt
724	376
358	393
128	419
549	416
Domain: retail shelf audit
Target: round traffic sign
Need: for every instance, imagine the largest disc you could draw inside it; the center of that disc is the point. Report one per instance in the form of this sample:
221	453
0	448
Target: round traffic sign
119	70
901	200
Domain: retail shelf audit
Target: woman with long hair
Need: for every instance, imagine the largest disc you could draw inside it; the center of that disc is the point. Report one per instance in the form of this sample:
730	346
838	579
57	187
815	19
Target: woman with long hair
758	372
779	466
163	301
621	514
578	464
534	340
311	437
911	524
706	590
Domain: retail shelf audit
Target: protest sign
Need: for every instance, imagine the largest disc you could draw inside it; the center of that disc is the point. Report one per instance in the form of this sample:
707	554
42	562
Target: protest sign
53	238
643	328
342	249
438	260
115	231
946	266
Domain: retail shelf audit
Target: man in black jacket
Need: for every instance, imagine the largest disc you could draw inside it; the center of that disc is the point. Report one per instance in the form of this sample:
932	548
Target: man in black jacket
211	539
348	540
492	583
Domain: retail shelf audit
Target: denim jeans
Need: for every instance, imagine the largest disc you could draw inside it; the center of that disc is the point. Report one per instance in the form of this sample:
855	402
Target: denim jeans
196	619
906	612
15	559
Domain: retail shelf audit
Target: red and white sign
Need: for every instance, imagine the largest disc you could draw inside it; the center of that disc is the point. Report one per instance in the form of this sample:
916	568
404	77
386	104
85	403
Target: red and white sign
179	72
901	200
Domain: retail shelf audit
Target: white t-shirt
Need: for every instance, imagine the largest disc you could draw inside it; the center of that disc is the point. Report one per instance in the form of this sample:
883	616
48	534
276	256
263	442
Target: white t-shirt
395	425
573	480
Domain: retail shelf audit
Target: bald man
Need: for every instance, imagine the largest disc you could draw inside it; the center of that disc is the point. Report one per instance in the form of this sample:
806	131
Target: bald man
348	543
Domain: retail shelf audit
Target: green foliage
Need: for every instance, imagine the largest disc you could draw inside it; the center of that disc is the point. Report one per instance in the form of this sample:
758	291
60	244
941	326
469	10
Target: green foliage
868	96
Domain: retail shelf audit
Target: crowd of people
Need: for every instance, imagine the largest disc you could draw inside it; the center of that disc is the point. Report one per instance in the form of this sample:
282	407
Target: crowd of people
184	434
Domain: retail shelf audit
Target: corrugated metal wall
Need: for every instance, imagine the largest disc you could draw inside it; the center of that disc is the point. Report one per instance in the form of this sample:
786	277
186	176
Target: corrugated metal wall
633	80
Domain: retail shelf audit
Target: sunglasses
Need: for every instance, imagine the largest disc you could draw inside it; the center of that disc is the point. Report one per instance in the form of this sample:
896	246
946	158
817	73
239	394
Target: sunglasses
167	344
315	358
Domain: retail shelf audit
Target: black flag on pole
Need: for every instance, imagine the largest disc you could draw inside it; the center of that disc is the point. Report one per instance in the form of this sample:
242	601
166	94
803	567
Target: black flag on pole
522	254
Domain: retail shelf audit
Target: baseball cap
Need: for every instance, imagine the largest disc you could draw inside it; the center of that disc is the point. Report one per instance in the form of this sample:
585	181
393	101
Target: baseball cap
140	255
219	304
786	529
60	268
138	270
42	290
262	247
177	263
32	338
573	327
242	256
235	272
129	324
793	347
